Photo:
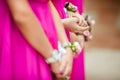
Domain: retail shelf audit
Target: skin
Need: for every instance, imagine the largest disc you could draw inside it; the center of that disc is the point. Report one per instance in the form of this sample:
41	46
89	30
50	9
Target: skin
79	39
74	23
67	60
23	15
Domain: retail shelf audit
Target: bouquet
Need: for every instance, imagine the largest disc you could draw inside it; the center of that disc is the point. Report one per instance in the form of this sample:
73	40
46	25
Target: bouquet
69	7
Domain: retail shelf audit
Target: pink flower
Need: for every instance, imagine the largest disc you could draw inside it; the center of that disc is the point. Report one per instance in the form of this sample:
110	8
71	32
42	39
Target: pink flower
88	35
78	47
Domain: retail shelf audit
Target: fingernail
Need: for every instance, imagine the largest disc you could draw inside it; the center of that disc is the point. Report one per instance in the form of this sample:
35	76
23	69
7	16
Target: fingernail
62	71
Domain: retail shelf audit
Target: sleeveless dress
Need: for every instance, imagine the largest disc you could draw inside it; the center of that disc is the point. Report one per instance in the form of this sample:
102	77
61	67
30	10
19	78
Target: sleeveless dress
18	60
78	71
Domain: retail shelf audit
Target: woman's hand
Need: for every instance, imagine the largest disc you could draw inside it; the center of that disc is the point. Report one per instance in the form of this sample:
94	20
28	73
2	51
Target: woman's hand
64	67
72	25
66	63
55	67
77	38
81	22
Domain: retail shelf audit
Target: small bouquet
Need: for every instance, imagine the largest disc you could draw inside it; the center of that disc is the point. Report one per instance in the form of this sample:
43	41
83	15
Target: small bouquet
87	34
70	7
90	22
75	47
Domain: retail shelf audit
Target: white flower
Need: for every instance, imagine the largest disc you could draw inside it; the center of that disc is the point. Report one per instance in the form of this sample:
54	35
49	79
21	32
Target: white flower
78	47
61	50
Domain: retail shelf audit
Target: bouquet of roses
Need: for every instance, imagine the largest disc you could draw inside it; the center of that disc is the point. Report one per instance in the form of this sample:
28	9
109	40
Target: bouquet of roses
69	7
75	47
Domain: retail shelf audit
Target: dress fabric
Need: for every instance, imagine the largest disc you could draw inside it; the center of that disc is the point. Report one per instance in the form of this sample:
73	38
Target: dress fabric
18	59
78	71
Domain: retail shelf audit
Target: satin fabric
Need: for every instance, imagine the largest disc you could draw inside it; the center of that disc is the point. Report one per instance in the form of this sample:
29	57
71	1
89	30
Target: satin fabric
18	59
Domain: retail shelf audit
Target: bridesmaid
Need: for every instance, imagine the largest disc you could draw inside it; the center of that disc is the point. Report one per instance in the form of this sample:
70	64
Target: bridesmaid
70	24
28	37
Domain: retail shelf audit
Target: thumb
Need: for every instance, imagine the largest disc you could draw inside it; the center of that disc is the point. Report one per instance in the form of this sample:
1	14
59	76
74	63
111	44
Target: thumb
62	66
74	19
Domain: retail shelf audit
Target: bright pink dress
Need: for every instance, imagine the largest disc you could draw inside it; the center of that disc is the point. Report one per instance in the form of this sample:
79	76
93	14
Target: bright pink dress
18	60
78	72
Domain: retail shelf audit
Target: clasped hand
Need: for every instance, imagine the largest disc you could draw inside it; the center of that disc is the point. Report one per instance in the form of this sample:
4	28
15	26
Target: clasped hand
63	68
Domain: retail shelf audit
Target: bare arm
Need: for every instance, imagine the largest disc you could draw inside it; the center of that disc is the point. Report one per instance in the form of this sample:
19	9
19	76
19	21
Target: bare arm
67	60
79	38
30	27
59	26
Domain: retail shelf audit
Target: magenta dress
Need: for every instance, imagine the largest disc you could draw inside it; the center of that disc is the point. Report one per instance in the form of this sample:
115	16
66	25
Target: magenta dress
18	60
78	72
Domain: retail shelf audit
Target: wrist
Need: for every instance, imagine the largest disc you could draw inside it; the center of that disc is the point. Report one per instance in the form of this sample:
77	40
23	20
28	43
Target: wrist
64	22
66	44
54	58
74	47
57	54
69	50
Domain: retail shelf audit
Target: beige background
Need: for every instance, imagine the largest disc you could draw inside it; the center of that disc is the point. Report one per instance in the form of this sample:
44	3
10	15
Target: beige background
102	58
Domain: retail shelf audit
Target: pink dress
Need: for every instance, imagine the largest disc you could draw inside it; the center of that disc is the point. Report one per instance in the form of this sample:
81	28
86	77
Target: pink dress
18	60
78	72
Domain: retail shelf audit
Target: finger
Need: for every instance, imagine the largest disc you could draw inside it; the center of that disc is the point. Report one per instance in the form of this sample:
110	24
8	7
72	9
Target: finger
63	66
75	19
81	41
78	30
77	16
80	19
85	24
67	70
84	28
81	22
59	75
71	14
81	29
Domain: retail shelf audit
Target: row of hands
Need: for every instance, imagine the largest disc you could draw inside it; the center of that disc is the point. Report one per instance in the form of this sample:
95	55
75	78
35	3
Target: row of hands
75	23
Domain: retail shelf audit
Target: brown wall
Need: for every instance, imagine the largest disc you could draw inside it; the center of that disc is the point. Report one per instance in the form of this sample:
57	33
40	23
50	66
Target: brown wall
106	32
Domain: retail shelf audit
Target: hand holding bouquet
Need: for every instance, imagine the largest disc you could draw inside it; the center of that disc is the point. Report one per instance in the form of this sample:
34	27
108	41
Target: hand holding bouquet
85	20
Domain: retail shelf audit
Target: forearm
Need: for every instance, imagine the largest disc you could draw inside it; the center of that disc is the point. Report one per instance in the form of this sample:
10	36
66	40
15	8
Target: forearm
58	23
68	24
30	27
74	37
64	23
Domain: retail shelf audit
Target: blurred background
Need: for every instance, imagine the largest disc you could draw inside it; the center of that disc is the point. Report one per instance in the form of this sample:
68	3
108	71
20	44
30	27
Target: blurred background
102	58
